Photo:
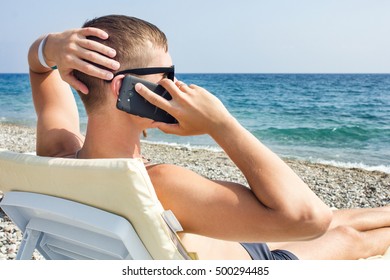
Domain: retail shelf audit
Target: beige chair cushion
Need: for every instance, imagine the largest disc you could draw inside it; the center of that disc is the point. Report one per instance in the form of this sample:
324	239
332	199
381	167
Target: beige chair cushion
120	186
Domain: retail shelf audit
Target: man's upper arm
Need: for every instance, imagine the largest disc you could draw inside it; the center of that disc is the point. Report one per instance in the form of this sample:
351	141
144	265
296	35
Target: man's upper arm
221	210
58	131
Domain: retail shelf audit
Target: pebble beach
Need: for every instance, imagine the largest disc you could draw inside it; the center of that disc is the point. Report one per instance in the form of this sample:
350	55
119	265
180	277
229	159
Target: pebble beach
337	187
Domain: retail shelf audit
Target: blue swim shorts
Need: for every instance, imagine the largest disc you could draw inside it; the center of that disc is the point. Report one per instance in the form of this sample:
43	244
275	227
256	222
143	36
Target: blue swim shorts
260	251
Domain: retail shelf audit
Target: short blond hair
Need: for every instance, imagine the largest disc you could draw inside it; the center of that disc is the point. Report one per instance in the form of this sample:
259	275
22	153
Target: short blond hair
134	41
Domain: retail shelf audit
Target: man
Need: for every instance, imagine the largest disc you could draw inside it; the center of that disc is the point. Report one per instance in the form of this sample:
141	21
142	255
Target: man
220	219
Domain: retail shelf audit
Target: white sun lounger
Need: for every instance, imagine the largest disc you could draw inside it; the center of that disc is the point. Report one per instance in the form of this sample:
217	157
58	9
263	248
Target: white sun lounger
86	209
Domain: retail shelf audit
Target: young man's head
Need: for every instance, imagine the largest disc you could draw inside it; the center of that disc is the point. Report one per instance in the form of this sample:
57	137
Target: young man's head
138	44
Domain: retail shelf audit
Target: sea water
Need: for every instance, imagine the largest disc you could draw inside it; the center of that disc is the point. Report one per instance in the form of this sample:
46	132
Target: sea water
339	119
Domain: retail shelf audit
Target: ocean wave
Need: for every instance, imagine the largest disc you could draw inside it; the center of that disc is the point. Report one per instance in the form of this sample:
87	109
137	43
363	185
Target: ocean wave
185	145
381	168
334	136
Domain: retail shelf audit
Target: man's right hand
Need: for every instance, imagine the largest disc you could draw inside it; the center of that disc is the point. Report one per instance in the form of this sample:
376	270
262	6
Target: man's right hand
196	110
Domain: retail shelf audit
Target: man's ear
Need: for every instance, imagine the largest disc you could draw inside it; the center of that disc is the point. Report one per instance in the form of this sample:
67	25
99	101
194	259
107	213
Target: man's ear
116	84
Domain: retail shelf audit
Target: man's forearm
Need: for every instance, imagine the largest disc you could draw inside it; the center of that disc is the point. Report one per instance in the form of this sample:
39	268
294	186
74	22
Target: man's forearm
270	178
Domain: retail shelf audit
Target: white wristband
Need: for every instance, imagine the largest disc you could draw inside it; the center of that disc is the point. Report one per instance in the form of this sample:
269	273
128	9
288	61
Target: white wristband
41	58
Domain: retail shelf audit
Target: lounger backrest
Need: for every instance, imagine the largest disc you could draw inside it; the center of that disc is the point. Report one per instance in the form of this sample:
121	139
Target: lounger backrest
120	186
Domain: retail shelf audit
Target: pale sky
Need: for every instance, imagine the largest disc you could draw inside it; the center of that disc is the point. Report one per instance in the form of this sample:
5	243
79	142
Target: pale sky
225	36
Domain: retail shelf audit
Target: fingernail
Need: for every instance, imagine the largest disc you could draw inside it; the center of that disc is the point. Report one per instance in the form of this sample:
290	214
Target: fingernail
104	35
109	76
115	65
112	53
138	87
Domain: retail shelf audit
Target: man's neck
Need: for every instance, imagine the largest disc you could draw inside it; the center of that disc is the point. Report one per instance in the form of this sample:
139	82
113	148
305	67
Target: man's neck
111	137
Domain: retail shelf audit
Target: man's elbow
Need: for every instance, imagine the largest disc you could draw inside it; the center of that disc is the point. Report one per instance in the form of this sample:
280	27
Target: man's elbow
311	222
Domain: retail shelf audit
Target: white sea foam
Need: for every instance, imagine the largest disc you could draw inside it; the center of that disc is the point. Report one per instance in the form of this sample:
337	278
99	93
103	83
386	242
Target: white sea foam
382	168
185	145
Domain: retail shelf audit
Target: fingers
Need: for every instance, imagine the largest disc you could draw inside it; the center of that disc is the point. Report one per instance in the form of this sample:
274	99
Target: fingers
174	88
76	84
169	128
96	52
92	31
87	57
97	47
91	54
92	70
153	98
181	85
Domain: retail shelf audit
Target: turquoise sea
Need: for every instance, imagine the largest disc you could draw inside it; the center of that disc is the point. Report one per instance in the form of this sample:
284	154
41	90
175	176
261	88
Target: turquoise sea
339	119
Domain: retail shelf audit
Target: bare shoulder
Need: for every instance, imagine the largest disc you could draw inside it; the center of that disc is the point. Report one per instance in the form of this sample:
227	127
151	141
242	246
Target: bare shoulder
171	181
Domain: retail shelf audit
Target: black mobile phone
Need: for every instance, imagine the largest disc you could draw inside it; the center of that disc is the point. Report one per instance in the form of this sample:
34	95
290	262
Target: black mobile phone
130	101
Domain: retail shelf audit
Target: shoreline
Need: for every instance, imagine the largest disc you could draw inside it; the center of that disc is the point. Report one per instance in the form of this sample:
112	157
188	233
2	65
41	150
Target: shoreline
24	133
339	187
